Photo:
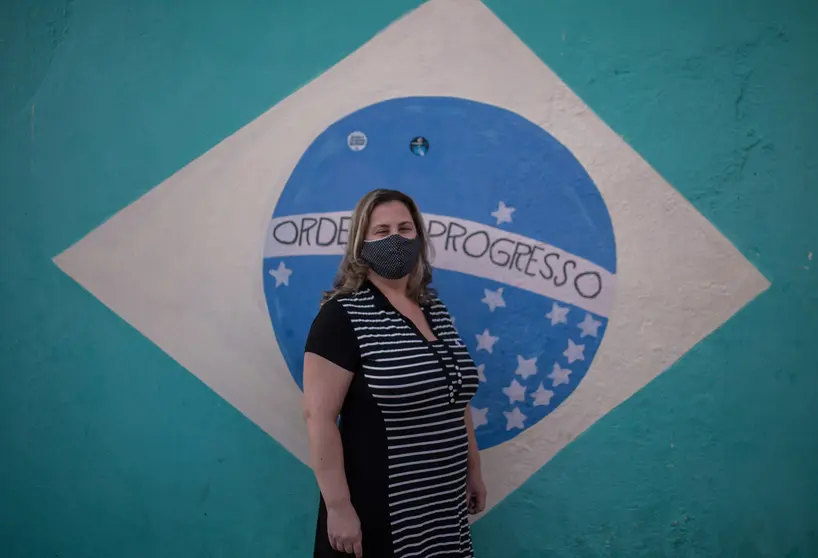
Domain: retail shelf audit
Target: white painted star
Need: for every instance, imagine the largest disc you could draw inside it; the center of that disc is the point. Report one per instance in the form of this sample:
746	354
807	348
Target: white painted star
574	352
494	299
589	326
282	274
486	341
526	367
558	314
515	392
503	213
478	416
481	372
514	419
542	396
559	375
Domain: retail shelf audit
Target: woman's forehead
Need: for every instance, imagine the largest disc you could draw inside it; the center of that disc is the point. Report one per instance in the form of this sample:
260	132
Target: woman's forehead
390	212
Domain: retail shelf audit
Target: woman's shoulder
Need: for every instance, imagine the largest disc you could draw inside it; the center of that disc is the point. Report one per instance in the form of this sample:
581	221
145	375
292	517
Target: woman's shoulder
332	335
346	298
331	320
332	307
436	303
339	303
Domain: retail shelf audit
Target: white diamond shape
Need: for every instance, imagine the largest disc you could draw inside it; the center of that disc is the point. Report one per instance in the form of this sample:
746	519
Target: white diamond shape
182	264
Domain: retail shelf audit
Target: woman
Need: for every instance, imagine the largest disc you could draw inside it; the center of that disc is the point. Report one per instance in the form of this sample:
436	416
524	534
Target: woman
400	471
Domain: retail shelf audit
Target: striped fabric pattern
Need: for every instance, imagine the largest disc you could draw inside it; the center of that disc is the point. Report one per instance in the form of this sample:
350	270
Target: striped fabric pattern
422	389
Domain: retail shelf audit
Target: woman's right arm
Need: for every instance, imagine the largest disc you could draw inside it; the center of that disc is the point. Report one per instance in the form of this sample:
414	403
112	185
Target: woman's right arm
331	359
325	387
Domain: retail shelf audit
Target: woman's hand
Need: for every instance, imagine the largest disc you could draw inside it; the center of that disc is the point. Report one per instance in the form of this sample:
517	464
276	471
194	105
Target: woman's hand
475	491
344	530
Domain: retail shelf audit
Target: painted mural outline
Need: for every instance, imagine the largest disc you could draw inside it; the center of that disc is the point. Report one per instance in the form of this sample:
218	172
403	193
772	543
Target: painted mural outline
219	328
532	313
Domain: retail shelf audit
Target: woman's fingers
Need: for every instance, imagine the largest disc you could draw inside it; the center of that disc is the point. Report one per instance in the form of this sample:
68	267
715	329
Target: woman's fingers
477	502
348	545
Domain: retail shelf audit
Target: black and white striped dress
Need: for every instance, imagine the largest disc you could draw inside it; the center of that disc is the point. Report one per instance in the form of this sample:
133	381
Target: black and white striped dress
402	425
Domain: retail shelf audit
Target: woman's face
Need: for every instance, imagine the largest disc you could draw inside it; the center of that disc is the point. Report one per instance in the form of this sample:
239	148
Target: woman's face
391	218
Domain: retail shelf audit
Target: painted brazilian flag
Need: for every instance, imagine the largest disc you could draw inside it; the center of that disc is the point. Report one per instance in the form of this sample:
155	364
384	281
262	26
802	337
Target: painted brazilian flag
619	197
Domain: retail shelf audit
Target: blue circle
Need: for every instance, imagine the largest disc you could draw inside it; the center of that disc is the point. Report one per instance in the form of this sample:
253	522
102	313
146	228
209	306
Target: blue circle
482	155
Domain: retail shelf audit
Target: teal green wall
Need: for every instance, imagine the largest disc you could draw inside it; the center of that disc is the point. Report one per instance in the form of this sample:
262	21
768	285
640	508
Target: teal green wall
109	448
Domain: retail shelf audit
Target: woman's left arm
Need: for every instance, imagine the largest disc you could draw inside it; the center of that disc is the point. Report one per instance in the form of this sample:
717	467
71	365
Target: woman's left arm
475	489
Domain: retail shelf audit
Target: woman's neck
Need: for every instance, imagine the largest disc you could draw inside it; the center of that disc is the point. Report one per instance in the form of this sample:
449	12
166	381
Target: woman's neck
391	288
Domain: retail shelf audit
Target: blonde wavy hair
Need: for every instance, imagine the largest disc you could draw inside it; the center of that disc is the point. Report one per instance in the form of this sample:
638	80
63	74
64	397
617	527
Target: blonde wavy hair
353	271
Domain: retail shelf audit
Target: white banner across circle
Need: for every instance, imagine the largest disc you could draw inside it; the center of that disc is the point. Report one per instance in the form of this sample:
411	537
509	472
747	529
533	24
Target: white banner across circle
466	247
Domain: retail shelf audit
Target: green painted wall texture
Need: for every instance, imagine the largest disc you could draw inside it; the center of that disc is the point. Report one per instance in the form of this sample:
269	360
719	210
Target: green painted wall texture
109	448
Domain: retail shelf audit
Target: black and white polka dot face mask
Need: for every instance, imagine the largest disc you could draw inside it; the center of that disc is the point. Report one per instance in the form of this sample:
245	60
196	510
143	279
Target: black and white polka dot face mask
392	257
